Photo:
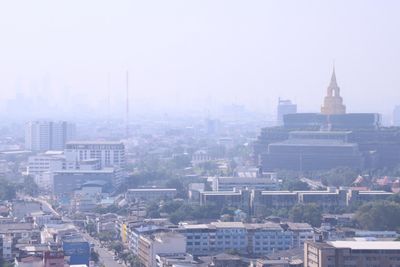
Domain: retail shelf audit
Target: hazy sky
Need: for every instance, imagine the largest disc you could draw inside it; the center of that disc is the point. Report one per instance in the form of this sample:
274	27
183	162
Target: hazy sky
201	53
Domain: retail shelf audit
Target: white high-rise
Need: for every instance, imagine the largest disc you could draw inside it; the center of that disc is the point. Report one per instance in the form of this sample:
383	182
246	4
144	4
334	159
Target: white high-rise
48	135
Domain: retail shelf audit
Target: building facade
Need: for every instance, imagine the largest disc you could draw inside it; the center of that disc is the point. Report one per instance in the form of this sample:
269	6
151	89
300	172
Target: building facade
246	238
285	107
109	154
149	194
161	243
48	135
352	253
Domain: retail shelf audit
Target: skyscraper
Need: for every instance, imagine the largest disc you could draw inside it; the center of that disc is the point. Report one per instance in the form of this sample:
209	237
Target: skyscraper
48	135
333	102
285	107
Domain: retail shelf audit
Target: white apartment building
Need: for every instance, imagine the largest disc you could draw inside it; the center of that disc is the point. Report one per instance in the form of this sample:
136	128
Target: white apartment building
44	162
248	238
149	194
109	153
39	167
161	243
48	135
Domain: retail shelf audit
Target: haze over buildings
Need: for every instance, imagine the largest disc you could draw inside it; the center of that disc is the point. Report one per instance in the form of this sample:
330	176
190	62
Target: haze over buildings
195	56
183	156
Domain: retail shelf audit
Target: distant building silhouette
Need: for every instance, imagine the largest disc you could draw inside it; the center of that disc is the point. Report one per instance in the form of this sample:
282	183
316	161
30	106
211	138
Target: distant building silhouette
285	107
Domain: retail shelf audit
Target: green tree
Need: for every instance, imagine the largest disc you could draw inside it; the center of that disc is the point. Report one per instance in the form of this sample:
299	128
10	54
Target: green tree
395	198
379	215
106	236
117	246
90	228
4	263
306	213
29	186
7	190
94	256
153	211
208	167
341	176
133	261
295	185
179	186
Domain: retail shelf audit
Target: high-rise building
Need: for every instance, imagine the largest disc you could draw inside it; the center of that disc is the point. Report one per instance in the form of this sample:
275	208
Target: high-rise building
285	107
333	102
48	135
396	116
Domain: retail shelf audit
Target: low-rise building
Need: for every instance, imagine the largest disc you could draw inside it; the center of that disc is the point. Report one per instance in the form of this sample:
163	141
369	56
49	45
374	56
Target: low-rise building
149	194
77	249
21	231
66	181
329	199
246	238
161	243
134	234
241	183
352	253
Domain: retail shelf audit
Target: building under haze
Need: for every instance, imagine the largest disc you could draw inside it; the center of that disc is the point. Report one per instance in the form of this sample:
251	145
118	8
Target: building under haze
109	153
332	138
396	116
305	151
48	135
285	107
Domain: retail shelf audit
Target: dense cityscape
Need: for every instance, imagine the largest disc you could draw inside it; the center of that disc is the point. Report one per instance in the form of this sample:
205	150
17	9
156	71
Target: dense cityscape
199	133
313	189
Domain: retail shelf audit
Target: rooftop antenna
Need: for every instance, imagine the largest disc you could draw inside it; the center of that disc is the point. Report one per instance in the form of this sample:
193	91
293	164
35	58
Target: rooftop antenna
127	105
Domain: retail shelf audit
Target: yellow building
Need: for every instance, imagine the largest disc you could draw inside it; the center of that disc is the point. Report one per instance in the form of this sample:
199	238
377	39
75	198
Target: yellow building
333	102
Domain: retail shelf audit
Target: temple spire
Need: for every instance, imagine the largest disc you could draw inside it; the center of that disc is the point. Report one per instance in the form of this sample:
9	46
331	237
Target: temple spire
333	102
333	78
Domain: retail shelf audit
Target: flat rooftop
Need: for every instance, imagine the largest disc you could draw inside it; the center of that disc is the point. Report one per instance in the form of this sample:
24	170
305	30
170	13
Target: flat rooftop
6	227
222	193
104	170
152	190
94	143
313	143
366	245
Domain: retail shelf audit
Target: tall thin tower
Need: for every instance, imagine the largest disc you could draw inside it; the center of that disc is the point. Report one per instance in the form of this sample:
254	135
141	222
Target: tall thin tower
108	98
127	105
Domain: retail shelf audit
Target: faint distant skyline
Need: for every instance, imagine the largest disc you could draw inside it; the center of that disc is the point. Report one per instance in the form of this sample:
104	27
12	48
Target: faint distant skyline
185	55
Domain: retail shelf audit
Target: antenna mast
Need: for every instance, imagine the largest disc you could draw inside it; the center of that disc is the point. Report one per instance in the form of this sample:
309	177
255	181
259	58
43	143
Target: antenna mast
127	105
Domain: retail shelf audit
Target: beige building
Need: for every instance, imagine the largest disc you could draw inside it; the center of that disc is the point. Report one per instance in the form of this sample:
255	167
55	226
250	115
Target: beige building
162	243
333	102
352	254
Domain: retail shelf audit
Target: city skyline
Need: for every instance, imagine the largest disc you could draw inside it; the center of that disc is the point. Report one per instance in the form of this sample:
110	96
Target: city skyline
184	56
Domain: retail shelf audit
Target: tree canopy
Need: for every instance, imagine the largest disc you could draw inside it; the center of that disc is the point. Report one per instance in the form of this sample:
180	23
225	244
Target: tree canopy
379	215
7	190
306	213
